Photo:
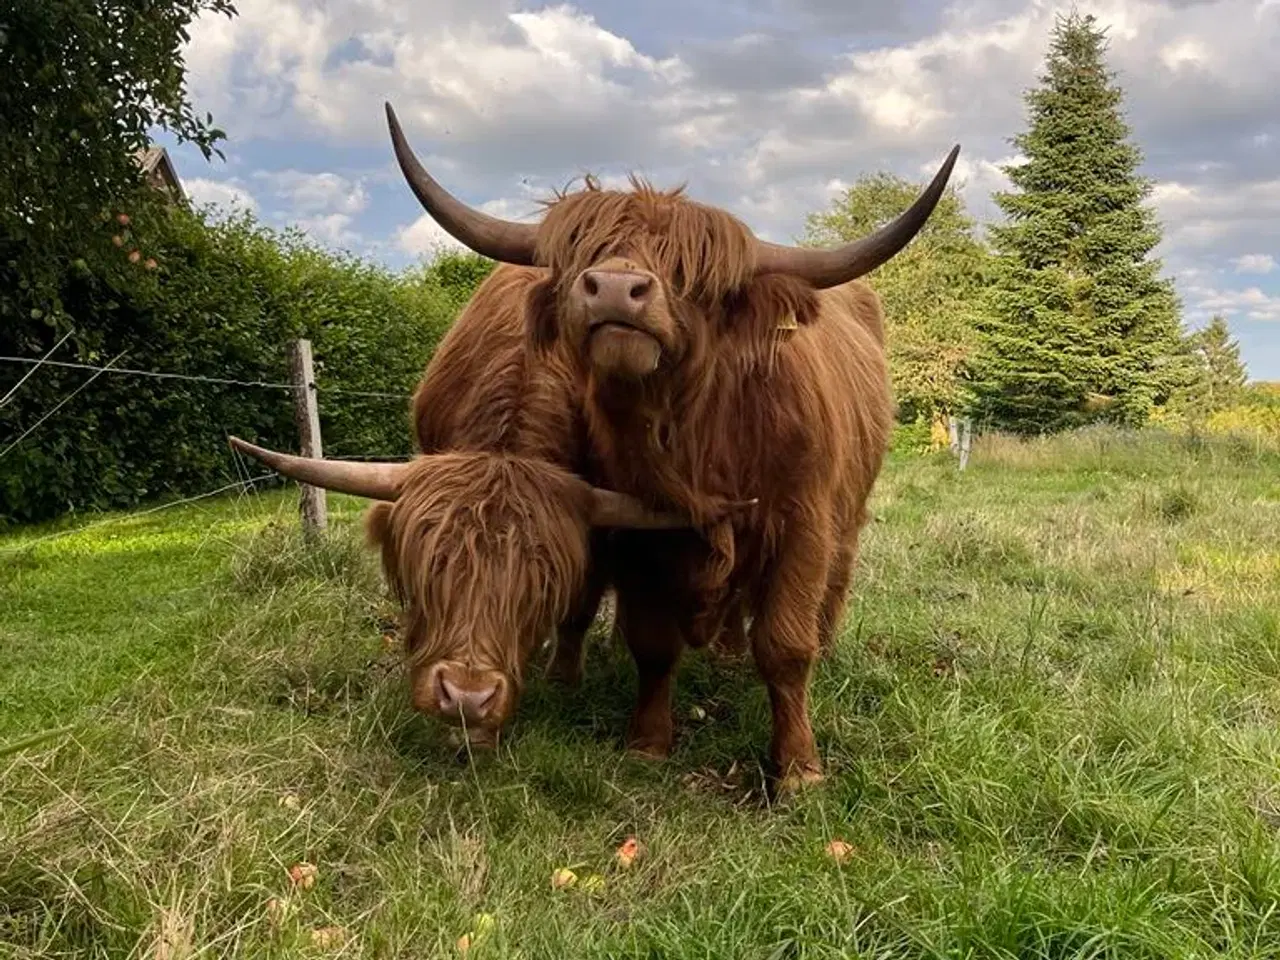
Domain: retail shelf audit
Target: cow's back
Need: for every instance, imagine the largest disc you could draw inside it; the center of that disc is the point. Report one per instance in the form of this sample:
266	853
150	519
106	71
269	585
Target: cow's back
846	355
484	390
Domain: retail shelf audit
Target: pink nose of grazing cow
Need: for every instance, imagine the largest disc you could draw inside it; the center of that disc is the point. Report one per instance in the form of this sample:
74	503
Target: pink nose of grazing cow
463	696
616	296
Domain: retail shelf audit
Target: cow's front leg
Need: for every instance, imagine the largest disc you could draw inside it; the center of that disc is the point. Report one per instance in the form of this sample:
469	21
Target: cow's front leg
784	641
654	637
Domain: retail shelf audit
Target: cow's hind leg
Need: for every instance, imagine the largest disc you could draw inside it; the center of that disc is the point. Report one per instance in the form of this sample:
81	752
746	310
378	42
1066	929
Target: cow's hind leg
833	604
567	662
843	565
730	641
784	640
655	639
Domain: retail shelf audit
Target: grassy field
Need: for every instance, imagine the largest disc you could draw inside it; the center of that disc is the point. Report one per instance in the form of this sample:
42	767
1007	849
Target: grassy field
1050	730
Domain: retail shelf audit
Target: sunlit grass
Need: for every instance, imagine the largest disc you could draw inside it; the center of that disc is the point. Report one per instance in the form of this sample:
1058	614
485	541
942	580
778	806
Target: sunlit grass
1051	726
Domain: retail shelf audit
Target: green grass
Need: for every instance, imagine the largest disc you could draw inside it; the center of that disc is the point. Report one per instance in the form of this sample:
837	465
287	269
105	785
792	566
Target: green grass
1050	731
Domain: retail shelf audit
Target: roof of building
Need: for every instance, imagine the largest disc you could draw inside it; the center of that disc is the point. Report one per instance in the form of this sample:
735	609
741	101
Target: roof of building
159	169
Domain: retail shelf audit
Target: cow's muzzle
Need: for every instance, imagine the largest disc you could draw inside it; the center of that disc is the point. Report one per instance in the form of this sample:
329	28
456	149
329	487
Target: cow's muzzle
617	307
474	699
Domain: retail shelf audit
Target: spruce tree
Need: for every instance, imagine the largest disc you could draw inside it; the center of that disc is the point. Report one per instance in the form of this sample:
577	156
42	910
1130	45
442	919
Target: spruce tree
1078	324
1222	375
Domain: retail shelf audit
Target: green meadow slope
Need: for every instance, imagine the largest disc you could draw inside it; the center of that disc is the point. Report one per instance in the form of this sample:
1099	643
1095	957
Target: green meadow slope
1050	730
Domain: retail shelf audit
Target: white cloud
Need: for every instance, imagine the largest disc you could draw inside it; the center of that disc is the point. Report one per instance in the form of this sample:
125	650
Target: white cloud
331	229
225	195
1203	219
1255	263
321	69
424	237
504	98
1184	52
312	193
1250	303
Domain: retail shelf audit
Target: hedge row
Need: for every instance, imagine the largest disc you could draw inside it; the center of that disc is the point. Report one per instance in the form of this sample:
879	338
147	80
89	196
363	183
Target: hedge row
212	299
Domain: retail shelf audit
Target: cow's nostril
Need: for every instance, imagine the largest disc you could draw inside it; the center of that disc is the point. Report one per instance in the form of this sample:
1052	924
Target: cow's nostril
482	698
472	704
590	285
640	289
446	694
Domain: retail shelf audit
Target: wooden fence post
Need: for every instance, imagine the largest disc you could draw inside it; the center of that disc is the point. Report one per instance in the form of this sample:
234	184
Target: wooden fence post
966	437
306	413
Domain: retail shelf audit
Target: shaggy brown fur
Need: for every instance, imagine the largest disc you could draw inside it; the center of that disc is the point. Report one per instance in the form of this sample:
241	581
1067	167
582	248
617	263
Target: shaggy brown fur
482	389
487	549
737	407
489	546
703	252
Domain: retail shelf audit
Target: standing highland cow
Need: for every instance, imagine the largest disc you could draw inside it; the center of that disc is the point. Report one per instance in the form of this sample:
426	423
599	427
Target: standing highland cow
715	368
488	538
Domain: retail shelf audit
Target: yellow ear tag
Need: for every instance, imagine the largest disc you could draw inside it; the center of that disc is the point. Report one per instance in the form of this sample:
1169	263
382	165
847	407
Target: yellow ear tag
789	322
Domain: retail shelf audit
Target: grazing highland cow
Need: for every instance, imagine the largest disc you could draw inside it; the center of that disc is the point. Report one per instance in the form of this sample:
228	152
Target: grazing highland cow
488	538
714	368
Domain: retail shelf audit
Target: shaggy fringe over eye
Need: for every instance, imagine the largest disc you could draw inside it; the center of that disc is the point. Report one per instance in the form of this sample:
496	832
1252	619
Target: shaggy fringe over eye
706	253
491	549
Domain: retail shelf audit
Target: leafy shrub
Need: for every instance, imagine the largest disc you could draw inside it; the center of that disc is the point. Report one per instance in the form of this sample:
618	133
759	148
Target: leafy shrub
211	299
1254	420
914	437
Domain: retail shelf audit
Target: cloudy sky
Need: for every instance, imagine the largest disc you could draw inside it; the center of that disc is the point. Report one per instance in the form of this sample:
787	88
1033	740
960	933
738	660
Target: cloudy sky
766	107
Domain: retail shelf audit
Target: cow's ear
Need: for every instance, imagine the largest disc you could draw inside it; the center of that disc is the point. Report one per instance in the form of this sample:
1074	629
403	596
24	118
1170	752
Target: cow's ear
771	305
540	326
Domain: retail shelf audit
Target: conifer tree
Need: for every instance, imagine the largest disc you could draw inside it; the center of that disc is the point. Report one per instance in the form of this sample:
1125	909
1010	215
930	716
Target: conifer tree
1221	375
1079	325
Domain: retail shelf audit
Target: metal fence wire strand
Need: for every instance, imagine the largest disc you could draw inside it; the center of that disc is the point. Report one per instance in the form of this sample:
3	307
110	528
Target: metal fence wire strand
36	366
265	384
154	373
244	484
61	403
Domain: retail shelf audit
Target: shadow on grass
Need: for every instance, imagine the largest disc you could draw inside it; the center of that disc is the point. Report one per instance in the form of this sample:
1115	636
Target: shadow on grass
568	745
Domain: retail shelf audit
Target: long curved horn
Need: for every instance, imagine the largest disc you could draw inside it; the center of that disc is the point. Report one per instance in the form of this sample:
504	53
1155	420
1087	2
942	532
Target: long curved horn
488	236
377	481
612	509
830	268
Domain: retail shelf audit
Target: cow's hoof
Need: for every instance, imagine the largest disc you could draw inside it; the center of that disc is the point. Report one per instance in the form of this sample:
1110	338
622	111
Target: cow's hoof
800	778
649	746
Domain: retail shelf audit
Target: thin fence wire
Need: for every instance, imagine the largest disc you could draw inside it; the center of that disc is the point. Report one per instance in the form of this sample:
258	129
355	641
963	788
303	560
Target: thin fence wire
242	484
156	374
342	391
110	367
265	384
61	403
37	365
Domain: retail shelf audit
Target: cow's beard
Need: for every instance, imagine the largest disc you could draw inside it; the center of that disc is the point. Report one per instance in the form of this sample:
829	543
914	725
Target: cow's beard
618	351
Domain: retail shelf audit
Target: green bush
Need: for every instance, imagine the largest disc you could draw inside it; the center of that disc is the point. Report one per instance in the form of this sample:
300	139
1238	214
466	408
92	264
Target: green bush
914	437
212	299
